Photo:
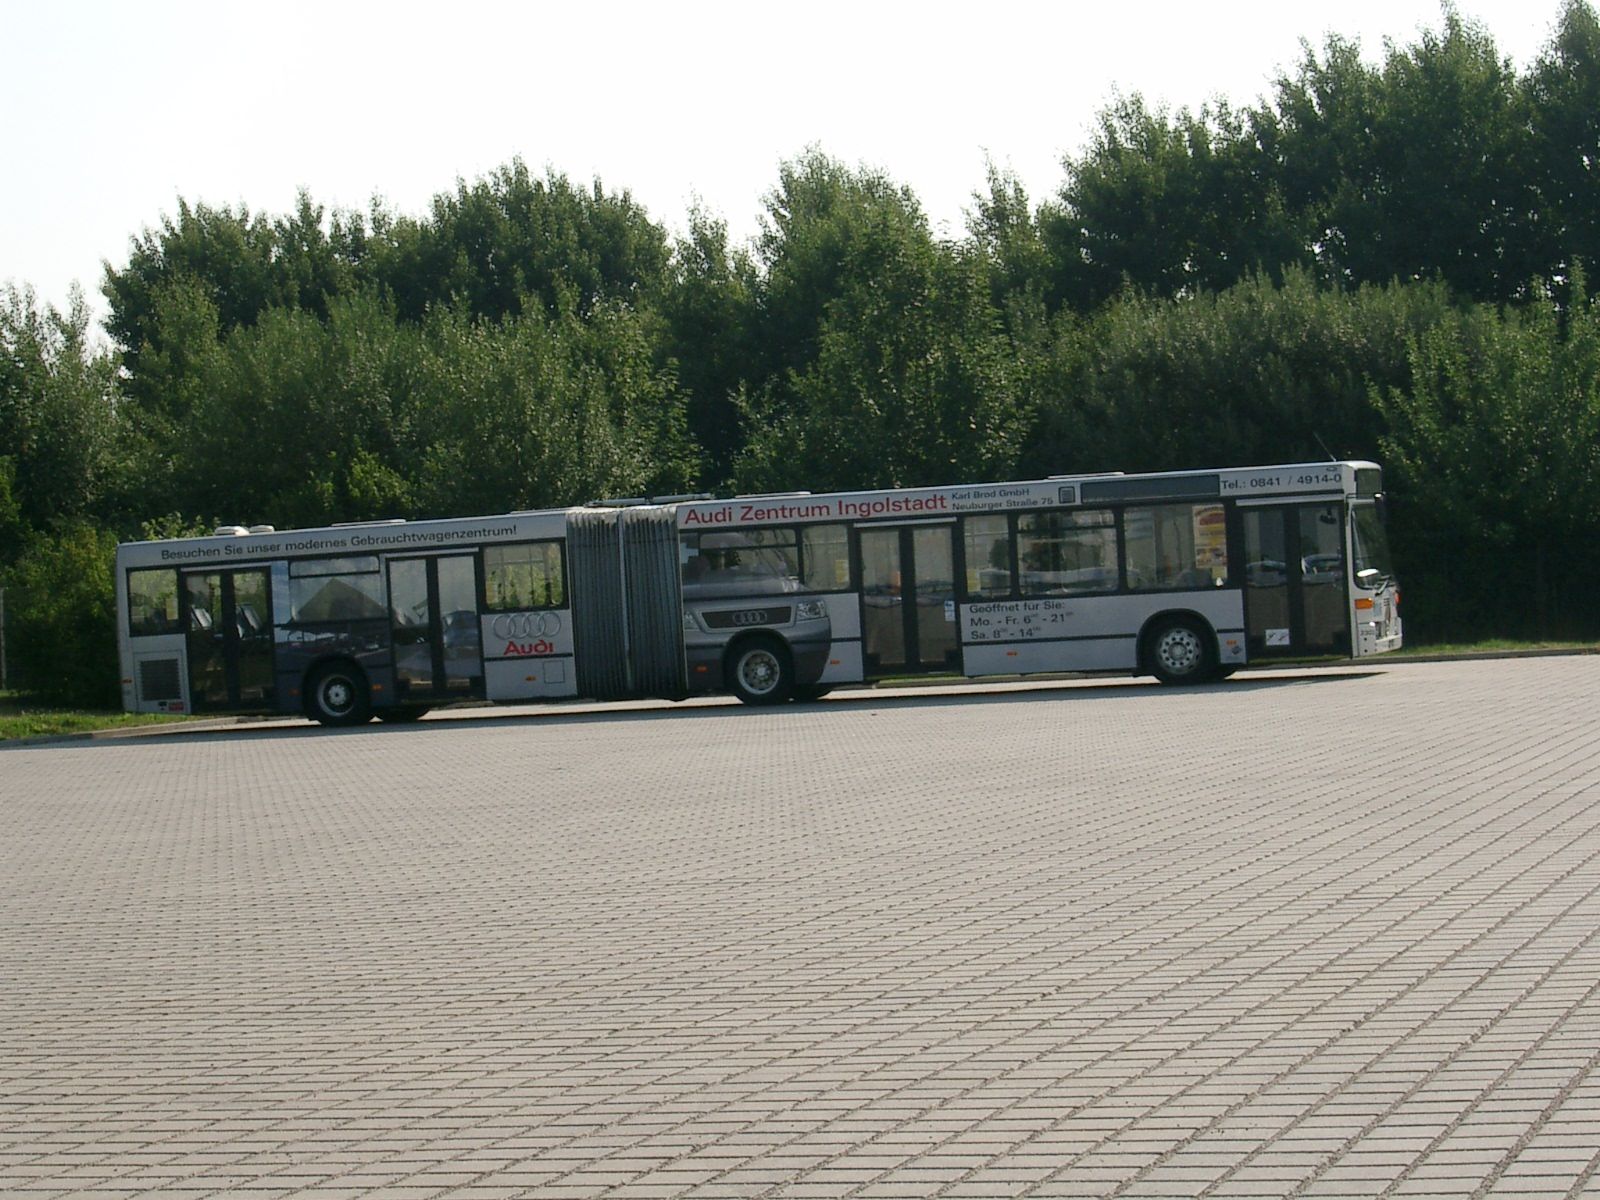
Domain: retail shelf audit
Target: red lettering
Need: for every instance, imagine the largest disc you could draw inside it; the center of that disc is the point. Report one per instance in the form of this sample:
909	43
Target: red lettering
528	649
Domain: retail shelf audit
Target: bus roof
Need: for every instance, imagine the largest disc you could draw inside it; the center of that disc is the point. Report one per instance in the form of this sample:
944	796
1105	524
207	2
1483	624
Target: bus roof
1290	480
377	537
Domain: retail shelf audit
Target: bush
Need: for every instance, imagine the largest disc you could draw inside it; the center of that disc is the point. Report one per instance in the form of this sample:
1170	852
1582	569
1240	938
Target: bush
61	635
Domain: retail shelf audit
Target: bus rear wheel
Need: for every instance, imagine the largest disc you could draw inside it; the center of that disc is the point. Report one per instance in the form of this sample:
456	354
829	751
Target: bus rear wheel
760	671
337	694
1178	650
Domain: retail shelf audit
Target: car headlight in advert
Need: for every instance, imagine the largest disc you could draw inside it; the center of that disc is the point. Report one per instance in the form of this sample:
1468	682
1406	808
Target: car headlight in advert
689	625
810	610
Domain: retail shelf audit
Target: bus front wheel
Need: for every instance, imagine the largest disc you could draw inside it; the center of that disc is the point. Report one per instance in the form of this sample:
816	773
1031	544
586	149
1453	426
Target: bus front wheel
760	671
1178	650
336	694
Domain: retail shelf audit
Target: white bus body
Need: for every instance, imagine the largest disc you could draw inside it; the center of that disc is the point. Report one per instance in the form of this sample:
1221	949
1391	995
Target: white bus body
342	622
1183	575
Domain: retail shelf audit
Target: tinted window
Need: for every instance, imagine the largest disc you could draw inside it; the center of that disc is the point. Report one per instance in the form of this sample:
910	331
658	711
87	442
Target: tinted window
740	562
524	576
152	602
1176	546
334	566
825	558
988	547
335	589
1372	546
1061	553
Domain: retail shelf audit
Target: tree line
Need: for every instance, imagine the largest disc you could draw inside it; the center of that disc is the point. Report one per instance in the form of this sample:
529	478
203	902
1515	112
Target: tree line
1380	259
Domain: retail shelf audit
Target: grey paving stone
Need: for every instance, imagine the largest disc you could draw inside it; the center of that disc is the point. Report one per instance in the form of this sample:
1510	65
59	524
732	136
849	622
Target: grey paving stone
1330	930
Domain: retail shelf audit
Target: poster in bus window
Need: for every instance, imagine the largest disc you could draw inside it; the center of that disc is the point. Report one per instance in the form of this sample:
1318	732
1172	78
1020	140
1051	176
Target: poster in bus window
1210	537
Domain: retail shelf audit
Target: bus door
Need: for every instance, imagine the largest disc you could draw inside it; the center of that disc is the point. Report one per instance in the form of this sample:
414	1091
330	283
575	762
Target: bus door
908	615
1296	599
228	618
434	628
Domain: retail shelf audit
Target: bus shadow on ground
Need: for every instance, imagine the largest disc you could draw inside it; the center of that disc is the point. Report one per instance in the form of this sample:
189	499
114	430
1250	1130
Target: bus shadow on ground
847	702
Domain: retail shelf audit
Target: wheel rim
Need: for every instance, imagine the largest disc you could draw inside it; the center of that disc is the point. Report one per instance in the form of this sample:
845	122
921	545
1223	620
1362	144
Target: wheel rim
759	672
337	696
1179	651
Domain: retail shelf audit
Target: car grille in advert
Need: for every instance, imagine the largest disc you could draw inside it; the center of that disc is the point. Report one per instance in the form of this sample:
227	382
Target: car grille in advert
744	618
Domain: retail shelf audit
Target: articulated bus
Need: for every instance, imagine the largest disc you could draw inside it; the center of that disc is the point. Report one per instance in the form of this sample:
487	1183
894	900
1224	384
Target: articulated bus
1185	576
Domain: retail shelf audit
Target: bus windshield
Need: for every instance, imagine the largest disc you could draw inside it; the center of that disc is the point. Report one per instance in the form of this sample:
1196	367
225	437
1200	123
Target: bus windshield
1372	546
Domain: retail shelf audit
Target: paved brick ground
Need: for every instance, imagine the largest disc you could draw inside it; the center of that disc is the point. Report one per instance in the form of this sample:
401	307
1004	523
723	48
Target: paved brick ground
1326	934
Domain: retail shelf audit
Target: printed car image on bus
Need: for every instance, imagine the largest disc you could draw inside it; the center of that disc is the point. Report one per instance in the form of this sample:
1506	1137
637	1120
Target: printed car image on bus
751	622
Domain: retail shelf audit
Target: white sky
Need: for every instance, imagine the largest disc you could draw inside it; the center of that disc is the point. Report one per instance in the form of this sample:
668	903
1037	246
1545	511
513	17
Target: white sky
110	110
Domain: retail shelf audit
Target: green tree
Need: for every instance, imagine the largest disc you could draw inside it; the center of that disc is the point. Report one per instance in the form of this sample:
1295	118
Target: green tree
1003	227
238	263
1495	446
13	530
1564	103
61	617
1417	170
293	420
59	425
707	308
497	242
541	411
1172	204
1257	373
886	360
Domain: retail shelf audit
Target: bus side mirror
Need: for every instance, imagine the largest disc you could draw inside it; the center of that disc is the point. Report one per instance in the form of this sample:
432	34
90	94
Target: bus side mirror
1369	577
1381	503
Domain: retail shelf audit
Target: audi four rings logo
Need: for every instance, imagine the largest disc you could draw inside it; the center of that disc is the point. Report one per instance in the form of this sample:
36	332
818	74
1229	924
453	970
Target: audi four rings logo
750	617
527	625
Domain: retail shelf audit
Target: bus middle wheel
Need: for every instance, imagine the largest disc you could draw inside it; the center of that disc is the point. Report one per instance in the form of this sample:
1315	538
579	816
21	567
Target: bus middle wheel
337	694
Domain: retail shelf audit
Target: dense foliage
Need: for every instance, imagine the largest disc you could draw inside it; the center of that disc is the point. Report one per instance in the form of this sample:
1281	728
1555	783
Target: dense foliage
1380	259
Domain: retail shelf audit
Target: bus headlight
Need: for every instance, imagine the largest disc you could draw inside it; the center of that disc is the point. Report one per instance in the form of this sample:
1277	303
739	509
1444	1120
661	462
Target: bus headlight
810	610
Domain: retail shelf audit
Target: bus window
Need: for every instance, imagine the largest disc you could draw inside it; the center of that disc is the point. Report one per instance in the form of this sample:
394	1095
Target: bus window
152	602
523	576
335	589
825	558
988	547
1063	553
1176	546
1372	547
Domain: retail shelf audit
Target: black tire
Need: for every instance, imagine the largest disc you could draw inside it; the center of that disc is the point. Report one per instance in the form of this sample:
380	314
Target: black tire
337	694
1179	650
401	716
806	693
760	671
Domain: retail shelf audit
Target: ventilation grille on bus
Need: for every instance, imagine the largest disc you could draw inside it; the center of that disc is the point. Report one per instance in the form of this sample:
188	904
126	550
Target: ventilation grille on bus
158	679
646	657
